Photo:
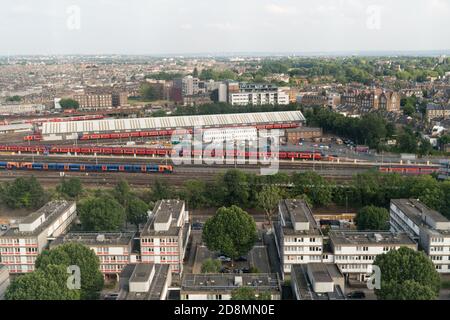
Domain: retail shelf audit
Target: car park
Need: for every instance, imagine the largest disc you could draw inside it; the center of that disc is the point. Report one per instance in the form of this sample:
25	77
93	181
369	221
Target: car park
224	259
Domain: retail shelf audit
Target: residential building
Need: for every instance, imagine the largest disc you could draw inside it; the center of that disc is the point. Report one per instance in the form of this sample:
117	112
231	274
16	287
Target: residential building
220	286
4	280
95	101
309	100
165	235
21	244
390	101
430	229
435	111
294	135
354	252
145	282
317	281
190	86
372	99
113	249
258	94
298	237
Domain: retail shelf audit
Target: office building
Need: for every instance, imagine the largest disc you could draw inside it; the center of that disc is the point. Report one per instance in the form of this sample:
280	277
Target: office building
427	226
21	244
257	94
165	235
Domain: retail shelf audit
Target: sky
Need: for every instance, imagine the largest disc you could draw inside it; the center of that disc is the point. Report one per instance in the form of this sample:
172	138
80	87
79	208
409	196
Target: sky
221	26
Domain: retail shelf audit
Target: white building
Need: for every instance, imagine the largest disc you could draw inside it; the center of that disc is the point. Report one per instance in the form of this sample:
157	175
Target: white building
430	228
114	249
190	86
230	134
298	237
221	286
4	280
165	236
354	252
258	94
20	245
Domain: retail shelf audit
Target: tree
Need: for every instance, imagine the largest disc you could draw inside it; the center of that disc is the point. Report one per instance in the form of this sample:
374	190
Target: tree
211	266
428	190
137	212
317	188
69	104
122	192
71	187
236	188
232	231
71	254
149	92
194	192
268	200
48	284
160	190
246	293
372	218
407	275
101	214
24	193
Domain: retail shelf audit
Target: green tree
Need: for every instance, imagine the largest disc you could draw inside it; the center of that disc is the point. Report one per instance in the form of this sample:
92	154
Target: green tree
101	214
372	218
195	193
231	231
211	266
160	190
137	212
71	187
75	254
236	188
428	190
48	284
246	293
69	104
122	192
317	188
24	193
149	92
407	275
268	200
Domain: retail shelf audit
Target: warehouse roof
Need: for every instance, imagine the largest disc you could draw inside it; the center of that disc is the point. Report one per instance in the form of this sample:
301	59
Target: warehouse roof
140	124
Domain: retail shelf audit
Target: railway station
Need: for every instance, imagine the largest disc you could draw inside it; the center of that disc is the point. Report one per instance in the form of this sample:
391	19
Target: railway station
142	127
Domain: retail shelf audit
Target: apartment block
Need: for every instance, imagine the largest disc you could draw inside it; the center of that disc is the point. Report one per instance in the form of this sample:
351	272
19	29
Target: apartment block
165	235
257	94
22	243
145	282
220	286
435	111
4	280
354	252
298	237
114	250
427	226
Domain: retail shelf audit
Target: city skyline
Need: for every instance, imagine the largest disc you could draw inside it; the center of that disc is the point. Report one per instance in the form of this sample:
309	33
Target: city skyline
158	28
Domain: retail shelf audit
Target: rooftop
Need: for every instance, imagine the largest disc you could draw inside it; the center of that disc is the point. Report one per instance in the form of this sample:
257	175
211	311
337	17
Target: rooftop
139	124
141	272
229	282
100	239
294	211
414	209
164	209
51	211
350	238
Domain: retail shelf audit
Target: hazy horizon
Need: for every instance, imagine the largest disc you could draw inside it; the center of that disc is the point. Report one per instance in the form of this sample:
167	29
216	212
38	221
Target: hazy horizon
211	27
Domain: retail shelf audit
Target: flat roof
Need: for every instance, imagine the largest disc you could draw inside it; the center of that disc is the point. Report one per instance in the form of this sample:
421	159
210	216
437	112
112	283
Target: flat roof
163	209
414	209
52	211
142	124
227	282
370	238
97	238
162	272
142	272
301	212
304	284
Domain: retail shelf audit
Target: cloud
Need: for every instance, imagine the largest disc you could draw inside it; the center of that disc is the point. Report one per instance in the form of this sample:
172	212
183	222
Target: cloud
226	26
186	26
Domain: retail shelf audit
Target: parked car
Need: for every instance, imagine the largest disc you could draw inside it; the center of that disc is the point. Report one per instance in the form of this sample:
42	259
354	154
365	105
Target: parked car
356	295
225	270
241	259
197	226
4	227
224	259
